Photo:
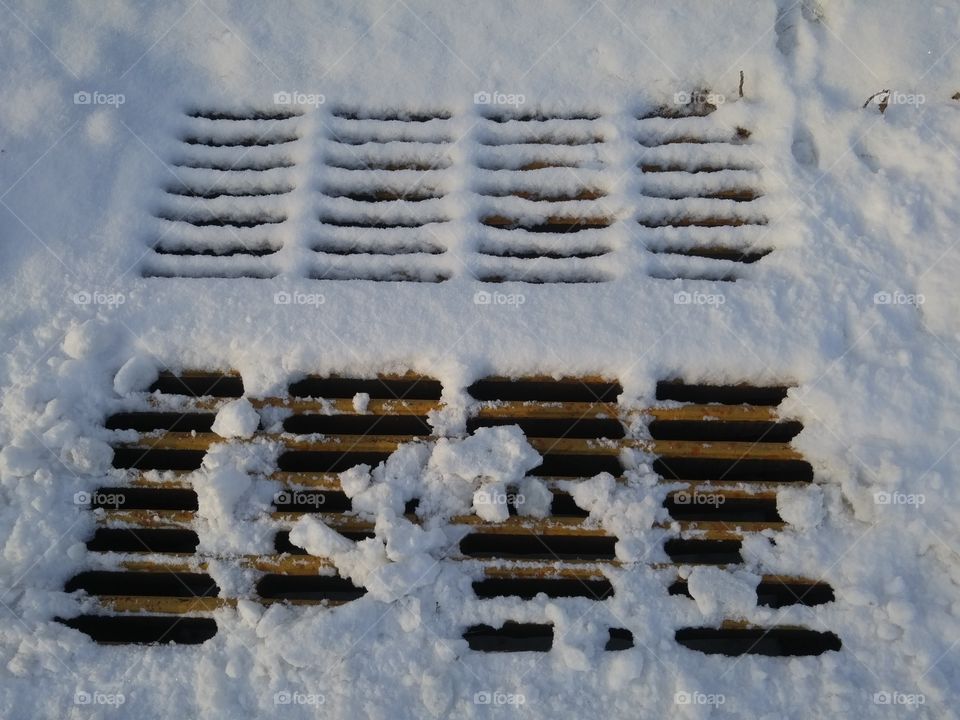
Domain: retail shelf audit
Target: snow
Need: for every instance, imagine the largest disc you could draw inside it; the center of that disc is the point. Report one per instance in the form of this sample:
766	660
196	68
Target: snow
236	419
856	306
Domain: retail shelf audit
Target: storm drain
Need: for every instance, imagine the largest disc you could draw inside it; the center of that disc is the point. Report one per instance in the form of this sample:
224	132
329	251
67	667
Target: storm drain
726	442
423	195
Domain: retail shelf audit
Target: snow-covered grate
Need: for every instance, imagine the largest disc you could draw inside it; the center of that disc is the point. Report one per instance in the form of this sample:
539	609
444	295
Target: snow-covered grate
726	442
424	195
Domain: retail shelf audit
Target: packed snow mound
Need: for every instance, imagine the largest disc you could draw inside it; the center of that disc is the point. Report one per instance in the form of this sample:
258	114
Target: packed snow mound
236	419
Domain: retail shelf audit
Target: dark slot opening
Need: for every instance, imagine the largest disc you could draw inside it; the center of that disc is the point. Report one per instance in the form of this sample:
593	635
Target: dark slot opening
555	428
327	462
734	470
330	247
146	459
692	167
723	394
554	588
251	165
212	220
199	385
538	547
376	388
245	141
776	642
223	251
545	390
144	629
382	195
271	114
531	279
282	544
171	421
139	498
312	501
377	224
741	256
533	253
141	540
777	595
719	430
357	425
620	639
563	505
391	115
703	552
502	116
160	584
308	587
706	221
699	506
209	193
577	466
575	225
512	637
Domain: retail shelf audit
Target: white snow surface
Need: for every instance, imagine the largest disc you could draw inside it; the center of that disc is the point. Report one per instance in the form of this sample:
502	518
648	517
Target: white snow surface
856	307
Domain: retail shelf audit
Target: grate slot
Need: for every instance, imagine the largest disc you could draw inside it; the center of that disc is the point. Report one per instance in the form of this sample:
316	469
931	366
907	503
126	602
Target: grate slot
224	219
214	191
620	639
776	642
382	388
282	544
554	427
722	394
195	250
152	584
241	141
308	587
144	630
693	468
716	253
245	165
529	588
562	465
417	116
555	224
327	461
538	547
170	421
546	390
239	115
778	593
685	506
198	385
139	498
703	552
511	637
358	425
130	458
718	430
138	540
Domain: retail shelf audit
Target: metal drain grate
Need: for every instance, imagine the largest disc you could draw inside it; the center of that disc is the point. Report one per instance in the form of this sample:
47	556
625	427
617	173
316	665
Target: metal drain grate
700	435
380	195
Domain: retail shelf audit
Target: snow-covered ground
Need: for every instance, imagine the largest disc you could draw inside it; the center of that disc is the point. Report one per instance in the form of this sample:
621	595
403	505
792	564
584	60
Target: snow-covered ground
856	307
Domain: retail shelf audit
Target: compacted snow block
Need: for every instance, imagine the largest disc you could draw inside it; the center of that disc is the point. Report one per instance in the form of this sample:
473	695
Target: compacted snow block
551	457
